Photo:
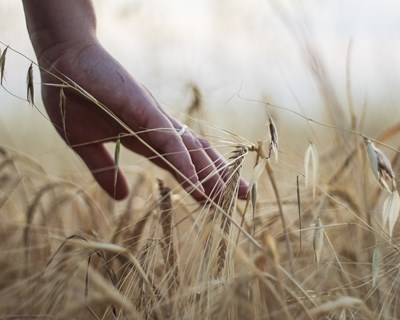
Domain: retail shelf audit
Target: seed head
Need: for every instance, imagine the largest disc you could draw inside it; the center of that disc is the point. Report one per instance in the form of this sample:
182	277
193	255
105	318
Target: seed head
380	165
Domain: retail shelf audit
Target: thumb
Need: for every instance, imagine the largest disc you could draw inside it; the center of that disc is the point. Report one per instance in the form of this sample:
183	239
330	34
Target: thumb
102	167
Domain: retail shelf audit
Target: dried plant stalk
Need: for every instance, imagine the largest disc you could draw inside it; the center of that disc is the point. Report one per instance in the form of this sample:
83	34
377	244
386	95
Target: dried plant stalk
299	207
138	231
376	256
168	250
270	172
63	110
318	239
131	239
228	201
197	102
117	153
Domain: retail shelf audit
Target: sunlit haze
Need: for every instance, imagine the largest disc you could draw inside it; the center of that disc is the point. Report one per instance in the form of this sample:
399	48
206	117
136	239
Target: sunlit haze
230	47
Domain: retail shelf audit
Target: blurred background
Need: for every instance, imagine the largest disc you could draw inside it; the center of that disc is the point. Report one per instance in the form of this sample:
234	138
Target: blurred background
233	51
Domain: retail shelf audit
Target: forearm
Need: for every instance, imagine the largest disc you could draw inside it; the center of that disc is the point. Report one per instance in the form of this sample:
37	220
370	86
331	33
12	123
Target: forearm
53	23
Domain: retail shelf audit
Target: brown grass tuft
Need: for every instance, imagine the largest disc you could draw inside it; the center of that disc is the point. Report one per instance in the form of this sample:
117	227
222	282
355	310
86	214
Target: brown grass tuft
228	202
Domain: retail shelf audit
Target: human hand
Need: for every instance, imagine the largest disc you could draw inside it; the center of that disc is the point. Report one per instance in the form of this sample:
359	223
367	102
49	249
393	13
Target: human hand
85	127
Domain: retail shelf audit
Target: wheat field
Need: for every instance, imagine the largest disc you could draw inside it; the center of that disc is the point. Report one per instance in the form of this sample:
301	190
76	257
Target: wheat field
289	252
316	239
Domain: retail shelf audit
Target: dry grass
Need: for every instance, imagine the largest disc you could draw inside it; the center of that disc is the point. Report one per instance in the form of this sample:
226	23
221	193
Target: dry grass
287	253
66	252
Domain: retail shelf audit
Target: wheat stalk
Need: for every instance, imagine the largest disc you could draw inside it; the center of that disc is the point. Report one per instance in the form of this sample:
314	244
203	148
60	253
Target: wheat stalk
228	202
170	256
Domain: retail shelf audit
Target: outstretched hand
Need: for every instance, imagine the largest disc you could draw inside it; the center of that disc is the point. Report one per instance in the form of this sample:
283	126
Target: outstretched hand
86	127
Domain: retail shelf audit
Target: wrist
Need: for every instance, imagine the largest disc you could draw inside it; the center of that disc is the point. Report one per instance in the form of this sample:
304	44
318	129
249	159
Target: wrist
56	25
49	50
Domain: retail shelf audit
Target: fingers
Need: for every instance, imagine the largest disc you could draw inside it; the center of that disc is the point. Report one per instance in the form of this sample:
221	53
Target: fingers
210	165
138	147
222	167
101	165
207	171
169	144
184	150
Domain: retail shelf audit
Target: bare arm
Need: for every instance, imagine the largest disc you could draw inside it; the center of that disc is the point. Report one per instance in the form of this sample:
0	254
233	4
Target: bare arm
53	22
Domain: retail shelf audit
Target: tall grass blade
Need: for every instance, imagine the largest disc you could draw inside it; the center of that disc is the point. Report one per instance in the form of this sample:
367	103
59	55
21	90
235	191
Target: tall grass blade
376	256
116	161
318	239
253	193
299	207
63	110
